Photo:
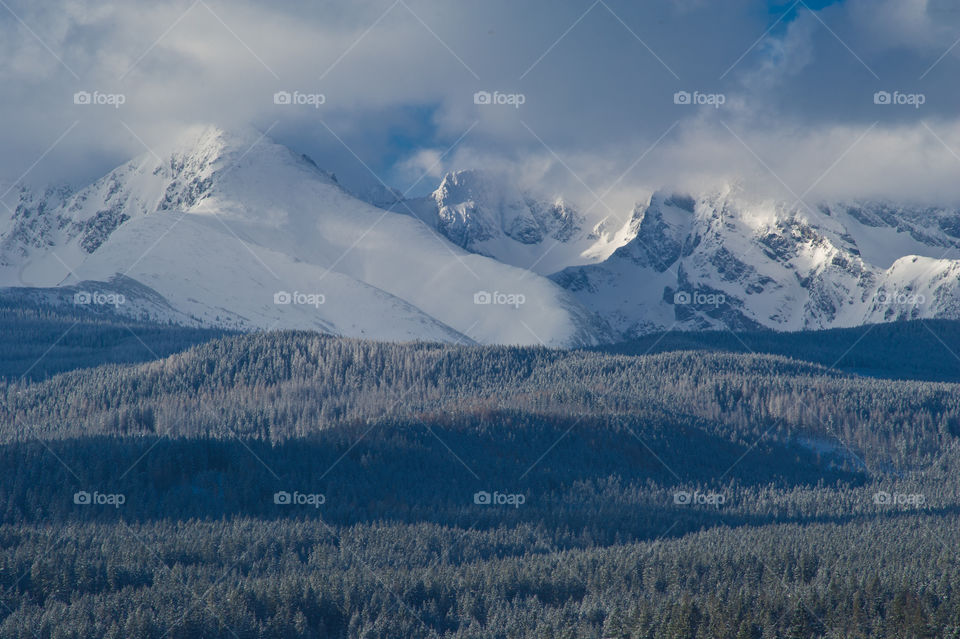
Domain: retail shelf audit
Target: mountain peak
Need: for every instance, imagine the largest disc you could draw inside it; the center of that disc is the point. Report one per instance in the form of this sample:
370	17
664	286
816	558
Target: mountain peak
214	148
214	140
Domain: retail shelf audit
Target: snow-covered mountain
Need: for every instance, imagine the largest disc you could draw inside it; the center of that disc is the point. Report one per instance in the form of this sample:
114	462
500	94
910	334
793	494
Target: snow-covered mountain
234	230
231	229
724	261
487	214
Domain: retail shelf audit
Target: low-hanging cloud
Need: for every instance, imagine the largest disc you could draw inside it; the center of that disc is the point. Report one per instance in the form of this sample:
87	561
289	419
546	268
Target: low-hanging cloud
606	100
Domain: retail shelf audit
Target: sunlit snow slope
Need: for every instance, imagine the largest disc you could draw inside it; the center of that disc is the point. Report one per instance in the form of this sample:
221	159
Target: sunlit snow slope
235	230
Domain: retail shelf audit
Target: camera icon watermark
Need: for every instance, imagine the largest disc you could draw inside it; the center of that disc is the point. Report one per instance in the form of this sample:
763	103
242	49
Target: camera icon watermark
912	500
696	498
883	298
896	98
97	298
685	98
283	298
496	298
699	298
296	498
515	100
484	498
297	98
96	98
85	498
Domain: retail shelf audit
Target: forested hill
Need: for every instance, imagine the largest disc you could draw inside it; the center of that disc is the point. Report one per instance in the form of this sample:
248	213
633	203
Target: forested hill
280	385
291	484
39	338
922	349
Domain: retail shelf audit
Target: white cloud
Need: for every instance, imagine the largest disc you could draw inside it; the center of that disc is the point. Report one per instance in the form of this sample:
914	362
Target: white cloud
400	92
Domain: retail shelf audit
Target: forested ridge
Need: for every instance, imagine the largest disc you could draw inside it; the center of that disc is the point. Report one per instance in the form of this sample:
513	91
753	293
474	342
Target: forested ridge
38	339
686	493
898	350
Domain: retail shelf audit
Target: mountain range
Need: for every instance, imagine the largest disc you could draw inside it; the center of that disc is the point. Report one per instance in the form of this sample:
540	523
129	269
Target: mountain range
229	229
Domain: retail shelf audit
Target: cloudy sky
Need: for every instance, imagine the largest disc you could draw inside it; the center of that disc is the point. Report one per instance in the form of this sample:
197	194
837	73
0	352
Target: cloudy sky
589	98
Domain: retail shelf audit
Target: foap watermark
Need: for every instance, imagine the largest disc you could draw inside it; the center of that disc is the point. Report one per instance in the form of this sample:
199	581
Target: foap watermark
896	98
84	498
496	298
716	100
697	498
98	298
913	500
883	298
298	98
296	498
484	498
502	99
698	298
299	299
96	98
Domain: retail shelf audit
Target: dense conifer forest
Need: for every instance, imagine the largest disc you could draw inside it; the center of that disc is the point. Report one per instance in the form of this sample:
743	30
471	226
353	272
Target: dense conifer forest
167	482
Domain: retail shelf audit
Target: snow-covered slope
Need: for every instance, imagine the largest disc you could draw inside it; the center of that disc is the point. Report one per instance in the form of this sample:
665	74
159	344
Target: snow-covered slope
235	230
724	261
